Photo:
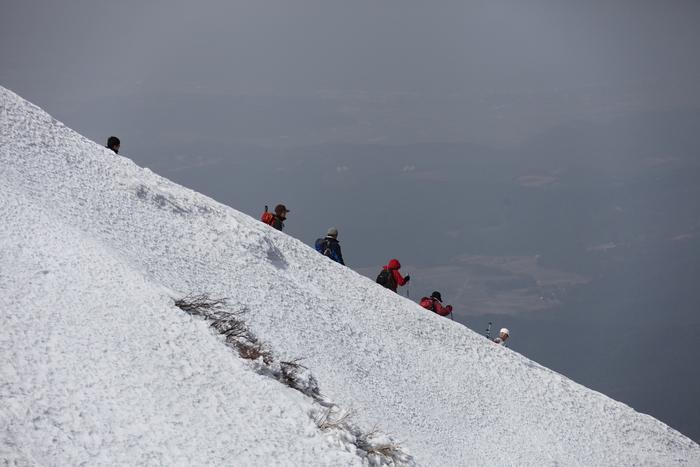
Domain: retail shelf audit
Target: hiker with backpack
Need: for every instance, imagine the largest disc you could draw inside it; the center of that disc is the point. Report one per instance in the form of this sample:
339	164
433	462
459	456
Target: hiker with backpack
501	339
434	304
330	246
390	277
277	219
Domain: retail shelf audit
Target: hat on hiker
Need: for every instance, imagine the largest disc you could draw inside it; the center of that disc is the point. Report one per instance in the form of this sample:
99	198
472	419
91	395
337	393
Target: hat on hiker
333	232
437	295
113	141
505	331
281	208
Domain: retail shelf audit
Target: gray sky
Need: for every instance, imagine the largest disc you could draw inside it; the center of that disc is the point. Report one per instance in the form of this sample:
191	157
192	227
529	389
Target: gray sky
538	62
454	46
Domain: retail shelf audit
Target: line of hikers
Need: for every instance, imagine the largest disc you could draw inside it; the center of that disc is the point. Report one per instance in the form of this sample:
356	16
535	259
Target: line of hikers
389	277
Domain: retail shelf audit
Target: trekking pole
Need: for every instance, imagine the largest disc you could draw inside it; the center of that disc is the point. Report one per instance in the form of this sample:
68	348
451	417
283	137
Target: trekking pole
488	331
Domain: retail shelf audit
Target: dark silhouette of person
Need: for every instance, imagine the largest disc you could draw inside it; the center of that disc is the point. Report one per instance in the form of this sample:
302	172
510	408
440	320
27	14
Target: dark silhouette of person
114	144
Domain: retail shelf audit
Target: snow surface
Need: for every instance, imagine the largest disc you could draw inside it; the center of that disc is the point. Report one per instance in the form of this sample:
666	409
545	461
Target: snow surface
99	367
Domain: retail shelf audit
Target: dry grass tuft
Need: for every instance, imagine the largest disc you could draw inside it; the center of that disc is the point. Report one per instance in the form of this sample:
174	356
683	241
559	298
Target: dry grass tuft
290	375
334	418
391	454
250	349
231	326
374	446
378	448
201	305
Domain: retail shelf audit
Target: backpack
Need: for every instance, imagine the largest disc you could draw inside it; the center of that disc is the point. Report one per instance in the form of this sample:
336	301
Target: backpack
268	217
323	246
428	303
386	278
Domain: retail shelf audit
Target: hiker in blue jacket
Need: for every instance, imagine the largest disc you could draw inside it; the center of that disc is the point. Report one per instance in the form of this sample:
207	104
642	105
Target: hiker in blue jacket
330	246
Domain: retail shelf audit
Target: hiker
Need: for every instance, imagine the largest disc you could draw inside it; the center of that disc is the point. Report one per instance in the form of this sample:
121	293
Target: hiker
390	277
277	219
501	339
114	144
330	246
434	303
280	216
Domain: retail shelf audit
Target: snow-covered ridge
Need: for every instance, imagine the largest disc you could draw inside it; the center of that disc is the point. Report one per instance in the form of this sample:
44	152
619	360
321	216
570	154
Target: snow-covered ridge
100	367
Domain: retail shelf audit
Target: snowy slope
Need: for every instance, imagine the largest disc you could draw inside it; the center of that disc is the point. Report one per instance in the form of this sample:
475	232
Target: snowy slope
100	367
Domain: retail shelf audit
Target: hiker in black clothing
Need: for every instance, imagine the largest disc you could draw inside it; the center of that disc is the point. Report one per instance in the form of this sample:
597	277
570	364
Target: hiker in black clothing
330	246
114	144
280	216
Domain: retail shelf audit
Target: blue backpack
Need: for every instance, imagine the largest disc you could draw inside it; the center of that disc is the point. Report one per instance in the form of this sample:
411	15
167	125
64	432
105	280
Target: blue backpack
323	246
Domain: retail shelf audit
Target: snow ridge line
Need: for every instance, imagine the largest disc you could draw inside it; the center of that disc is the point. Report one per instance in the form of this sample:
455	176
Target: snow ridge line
377	448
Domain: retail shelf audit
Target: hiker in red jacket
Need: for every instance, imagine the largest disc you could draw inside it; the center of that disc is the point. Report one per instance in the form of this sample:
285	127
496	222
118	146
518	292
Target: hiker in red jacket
395	276
433	303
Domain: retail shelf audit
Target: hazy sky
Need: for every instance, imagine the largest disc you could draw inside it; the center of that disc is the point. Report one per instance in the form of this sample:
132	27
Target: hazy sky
455	46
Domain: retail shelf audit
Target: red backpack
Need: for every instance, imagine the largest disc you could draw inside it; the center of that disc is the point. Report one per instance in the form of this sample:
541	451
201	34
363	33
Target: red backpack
428	303
268	217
